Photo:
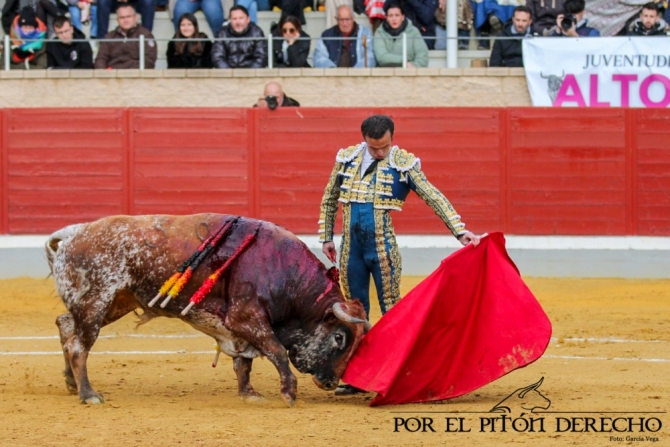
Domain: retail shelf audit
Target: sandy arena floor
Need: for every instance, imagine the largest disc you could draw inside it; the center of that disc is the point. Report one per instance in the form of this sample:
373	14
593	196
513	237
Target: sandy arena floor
611	353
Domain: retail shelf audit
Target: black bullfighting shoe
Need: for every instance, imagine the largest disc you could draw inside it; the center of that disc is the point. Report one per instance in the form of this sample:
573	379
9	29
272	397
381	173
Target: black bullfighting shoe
348	390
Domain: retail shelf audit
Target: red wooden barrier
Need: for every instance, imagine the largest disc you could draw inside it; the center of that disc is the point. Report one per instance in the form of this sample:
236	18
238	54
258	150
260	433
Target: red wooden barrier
650	176
520	170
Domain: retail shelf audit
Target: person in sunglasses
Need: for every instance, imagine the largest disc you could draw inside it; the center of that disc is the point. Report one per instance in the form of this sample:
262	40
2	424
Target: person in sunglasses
290	44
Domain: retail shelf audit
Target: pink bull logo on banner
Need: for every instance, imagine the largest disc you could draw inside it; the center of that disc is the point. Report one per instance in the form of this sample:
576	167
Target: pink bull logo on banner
571	93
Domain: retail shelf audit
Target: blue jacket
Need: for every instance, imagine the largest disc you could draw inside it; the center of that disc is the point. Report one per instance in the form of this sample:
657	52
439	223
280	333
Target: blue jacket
327	52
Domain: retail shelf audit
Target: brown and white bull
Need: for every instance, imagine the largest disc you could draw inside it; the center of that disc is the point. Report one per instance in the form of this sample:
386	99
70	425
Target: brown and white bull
275	300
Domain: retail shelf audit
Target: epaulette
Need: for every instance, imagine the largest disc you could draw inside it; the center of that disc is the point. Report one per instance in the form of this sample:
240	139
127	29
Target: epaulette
403	161
348	154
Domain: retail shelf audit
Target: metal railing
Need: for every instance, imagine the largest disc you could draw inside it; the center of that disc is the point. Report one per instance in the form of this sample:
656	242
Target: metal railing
269	41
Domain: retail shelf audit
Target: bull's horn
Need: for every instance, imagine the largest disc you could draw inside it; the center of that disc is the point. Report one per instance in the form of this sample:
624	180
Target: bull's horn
342	314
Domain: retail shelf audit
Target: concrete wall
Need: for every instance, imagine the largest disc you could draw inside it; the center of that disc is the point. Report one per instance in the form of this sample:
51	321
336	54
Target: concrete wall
411	87
576	257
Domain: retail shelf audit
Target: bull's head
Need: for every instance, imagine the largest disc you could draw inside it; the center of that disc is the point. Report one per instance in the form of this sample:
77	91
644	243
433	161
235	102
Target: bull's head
325	351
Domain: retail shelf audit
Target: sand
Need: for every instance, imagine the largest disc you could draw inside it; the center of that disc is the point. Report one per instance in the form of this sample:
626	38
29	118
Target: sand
610	357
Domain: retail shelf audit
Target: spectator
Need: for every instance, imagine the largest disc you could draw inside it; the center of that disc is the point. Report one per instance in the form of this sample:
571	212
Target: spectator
343	53
212	9
253	6
574	25
273	97
507	53
295	8
422	15
544	13
375	12
146	8
287	49
196	54
464	24
124	53
65	53
84	12
27	41
388	41
45	11
331	10
240	51
650	22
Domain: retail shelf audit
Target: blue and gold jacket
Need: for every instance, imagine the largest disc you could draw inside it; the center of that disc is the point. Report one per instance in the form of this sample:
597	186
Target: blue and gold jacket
399	172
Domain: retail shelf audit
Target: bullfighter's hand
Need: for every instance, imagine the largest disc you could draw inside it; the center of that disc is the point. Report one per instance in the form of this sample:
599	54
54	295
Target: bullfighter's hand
329	250
469	238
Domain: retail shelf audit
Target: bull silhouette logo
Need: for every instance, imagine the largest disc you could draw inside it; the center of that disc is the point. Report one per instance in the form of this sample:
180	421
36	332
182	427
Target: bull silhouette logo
525	400
553	84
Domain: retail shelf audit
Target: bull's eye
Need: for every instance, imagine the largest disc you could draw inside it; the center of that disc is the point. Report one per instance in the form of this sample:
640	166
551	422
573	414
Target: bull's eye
339	339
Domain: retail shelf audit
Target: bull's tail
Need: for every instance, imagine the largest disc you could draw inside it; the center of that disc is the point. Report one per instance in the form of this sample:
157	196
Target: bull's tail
51	246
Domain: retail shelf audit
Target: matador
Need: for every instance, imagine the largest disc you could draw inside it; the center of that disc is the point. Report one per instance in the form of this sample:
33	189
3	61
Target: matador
370	180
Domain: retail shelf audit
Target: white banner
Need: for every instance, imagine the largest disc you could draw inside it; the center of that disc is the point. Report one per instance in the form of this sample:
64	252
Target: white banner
598	71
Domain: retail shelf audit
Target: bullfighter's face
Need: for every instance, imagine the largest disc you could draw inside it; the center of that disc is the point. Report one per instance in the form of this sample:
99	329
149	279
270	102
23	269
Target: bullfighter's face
380	148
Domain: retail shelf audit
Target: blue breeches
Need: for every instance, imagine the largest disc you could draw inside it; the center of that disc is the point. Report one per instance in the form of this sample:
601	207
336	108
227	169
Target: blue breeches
369	249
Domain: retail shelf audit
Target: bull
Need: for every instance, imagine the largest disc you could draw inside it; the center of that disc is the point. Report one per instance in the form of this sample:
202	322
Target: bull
554	84
275	300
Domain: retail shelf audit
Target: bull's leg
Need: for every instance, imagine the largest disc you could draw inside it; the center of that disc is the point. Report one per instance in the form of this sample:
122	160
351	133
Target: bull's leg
276	353
242	367
65	325
79	333
262	338
77	348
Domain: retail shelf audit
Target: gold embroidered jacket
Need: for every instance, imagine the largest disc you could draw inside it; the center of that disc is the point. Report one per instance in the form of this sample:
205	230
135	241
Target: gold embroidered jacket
399	172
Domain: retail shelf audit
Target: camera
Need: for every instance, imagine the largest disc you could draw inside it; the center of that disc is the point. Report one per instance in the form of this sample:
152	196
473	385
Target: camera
272	102
568	21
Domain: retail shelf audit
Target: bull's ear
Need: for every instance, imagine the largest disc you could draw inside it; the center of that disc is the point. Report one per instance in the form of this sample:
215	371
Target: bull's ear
329	316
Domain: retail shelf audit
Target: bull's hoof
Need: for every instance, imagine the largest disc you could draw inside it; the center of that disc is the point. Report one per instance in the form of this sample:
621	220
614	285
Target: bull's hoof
71	385
253	398
94	400
290	401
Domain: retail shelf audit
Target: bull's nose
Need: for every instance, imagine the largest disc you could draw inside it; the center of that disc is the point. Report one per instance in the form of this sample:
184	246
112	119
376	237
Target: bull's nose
328	385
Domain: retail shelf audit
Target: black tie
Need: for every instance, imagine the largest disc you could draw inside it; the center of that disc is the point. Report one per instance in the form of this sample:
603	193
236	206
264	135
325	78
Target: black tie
371	168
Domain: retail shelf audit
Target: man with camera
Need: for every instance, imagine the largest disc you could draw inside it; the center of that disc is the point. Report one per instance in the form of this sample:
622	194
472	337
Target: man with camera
544	13
572	22
274	97
649	23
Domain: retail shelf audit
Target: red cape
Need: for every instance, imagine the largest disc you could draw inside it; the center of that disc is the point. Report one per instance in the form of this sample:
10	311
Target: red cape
470	322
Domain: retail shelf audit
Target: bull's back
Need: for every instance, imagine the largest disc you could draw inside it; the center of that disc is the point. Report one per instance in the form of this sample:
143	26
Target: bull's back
122	249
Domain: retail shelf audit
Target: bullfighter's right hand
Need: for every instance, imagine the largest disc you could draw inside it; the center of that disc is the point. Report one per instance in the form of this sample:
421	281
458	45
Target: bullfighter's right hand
330	251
